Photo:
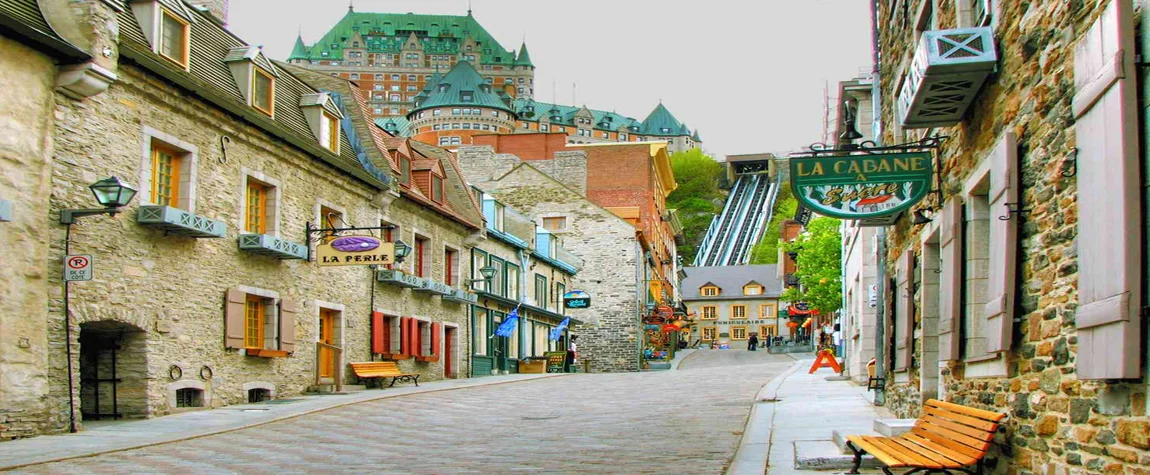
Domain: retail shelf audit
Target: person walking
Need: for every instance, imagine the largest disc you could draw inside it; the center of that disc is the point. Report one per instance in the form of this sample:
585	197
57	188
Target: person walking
753	342
571	354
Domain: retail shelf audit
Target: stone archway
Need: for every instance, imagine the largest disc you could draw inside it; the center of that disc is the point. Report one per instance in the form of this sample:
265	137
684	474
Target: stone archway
113	371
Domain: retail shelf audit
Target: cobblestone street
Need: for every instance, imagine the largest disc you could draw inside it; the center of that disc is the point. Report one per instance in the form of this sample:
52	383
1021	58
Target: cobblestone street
672	422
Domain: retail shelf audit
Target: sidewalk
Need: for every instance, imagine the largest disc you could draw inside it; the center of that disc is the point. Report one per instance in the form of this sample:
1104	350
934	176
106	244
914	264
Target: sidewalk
800	407
125	435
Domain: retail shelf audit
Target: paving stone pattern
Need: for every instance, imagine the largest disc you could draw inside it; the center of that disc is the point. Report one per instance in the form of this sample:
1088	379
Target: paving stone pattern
672	422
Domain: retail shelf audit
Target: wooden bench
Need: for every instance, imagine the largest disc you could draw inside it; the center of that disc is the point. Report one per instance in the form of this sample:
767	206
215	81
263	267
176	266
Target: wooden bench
946	437
383	369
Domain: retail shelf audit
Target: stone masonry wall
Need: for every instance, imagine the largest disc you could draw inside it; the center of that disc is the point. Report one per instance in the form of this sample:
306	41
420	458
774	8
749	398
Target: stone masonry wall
172	288
1057	424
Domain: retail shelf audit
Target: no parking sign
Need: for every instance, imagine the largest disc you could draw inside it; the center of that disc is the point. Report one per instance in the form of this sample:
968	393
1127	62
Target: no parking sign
77	267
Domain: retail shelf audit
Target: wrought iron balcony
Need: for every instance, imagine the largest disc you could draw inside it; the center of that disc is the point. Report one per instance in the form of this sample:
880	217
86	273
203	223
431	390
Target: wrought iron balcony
433	287
948	69
268	245
180	222
398	279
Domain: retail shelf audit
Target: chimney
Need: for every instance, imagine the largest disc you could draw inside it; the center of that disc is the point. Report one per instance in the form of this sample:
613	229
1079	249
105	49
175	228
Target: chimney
218	8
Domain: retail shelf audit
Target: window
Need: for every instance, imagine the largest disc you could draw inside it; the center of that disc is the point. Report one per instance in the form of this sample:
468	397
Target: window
478	260
436	112
497	286
166	166
480	333
976	253
395	77
396	98
410	77
354	76
738	333
541	291
437	189
710	312
555	223
174	38
512	281
542	127
753	289
766	331
395	87
768	311
495	114
456	112
738	311
422	261
467	96
379	77
256	208
263	91
329	132
189	397
709	333
405	171
255	309
450	267
411	87
560	289
709	291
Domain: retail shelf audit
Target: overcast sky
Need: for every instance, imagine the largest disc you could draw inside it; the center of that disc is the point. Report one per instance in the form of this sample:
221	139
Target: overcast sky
749	75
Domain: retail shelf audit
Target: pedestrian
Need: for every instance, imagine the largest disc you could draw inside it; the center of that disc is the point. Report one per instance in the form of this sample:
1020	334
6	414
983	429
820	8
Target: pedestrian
753	342
571	354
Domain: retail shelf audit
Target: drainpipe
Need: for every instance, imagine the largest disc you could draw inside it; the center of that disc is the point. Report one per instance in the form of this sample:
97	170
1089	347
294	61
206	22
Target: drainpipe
880	318
1144	109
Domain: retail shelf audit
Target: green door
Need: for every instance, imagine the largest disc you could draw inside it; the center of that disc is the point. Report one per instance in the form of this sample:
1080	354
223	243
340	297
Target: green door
498	343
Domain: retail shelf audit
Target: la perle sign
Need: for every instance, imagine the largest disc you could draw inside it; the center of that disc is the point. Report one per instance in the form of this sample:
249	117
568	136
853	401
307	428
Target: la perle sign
862	186
355	250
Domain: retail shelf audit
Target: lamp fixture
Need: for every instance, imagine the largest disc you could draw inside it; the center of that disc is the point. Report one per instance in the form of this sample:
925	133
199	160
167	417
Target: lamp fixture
920	217
111	193
487	272
402	250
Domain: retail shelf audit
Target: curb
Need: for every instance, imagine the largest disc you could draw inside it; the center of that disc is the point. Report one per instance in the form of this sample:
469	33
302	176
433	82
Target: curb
749	458
262	423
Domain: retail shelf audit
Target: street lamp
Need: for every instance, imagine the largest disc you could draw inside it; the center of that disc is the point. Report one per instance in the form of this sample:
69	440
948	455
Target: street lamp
487	272
402	250
920	217
111	193
850	134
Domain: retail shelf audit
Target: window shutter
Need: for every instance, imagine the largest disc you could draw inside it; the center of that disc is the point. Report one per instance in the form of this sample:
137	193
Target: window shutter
999	309
416	338
404	336
377	333
435	339
288	311
950	280
1109	220
234	318
904	314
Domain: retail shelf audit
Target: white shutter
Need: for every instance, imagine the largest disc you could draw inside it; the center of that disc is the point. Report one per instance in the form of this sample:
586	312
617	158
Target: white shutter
1109	220
999	310
904	310
950	280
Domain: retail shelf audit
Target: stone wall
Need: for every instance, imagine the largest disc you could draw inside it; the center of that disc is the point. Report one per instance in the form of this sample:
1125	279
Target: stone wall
26	123
1057	424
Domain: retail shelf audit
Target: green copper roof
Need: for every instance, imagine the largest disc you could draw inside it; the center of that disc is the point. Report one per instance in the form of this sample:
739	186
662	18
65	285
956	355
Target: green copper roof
535	111
463	86
388	32
299	51
695	137
661	123
524	58
398	126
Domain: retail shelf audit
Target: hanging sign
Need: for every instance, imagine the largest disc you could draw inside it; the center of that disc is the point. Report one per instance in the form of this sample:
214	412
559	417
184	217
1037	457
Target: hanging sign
862	186
77	267
355	251
577	299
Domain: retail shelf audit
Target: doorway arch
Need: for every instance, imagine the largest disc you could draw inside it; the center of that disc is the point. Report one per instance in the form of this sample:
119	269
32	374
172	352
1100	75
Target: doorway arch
113	371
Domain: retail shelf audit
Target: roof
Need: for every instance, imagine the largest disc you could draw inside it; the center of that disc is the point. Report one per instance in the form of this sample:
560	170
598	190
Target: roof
396	125
388	32
660	119
210	78
23	17
299	51
462	86
730	281
524	58
534	111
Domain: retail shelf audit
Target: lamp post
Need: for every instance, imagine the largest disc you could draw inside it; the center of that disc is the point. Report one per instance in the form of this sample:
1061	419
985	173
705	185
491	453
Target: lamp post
113	195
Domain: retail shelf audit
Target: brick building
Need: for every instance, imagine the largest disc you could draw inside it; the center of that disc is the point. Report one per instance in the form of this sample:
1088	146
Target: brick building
1023	292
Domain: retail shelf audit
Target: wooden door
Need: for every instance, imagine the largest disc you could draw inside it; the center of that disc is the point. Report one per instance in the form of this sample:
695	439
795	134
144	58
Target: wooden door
326	336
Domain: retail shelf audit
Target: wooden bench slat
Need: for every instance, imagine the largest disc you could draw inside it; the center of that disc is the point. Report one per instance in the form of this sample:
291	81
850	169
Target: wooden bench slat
963	419
940	449
970	411
962	429
881	443
950	444
876	451
926	427
912	458
924	452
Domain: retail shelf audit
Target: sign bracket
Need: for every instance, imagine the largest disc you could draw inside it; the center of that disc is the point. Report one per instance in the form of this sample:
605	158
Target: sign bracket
869	147
311	231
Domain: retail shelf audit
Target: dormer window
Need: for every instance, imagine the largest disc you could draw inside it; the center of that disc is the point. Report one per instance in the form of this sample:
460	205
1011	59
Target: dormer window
405	171
467	96
753	289
263	91
329	132
174	38
709	291
437	189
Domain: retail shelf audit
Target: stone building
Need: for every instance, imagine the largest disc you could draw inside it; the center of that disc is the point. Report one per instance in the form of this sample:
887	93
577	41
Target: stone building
730	303
203	294
554	193
1023	292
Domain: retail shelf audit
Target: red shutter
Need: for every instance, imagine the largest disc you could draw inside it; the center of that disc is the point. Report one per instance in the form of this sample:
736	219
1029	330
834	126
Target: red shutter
403	336
904	310
378	329
234	303
435	339
1109	219
1003	267
417	337
950	280
288	311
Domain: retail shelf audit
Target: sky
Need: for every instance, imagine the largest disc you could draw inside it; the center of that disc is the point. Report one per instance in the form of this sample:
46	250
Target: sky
750	76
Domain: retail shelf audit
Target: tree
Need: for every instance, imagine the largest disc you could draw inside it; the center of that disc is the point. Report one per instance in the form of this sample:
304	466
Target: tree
818	266
698	196
767	249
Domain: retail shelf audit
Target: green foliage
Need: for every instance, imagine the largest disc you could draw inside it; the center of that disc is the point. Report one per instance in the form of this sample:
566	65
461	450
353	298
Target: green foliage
818	266
698	197
767	249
